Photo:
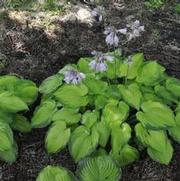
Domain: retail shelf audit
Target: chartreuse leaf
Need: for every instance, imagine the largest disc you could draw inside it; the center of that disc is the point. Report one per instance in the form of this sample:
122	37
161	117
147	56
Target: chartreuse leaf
115	113
50	84
99	152
43	114
72	96
100	101
90	118
57	137
83	65
21	123
156	115
131	94
11	103
103	131
159	147
83	142
162	92
100	168
6	137
68	115
130	70
26	90
7	82
175	131
9	155
173	85
120	136
54	173
6	117
150	74
95	86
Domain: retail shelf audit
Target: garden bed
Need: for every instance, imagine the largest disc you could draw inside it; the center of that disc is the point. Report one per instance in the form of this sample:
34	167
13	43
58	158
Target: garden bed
36	50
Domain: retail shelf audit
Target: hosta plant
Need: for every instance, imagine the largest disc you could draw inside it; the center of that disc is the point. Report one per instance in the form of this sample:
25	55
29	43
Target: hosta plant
16	95
110	105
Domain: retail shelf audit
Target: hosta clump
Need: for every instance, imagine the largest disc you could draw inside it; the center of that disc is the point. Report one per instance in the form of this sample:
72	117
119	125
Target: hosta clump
96	112
15	96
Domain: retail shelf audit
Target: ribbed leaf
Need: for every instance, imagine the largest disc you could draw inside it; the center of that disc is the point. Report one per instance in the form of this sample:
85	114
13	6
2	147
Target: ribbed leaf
173	85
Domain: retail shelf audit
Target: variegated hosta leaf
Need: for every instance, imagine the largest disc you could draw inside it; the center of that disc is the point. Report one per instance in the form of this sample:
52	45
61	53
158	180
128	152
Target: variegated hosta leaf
127	155
6	137
120	136
11	103
167	96
155	115
90	118
54	173
130	70
131	94
175	131
57	137
150	74
173	85
43	114
50	84
26	90
103	131
83	142
95	86
159	147
115	113
100	168
72	96
70	116
9	155
21	123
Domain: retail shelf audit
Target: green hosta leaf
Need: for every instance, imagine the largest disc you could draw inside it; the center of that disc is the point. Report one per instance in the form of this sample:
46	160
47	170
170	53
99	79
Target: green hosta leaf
103	131
130	70
26	90
156	115
162	92
127	155
95	86
6	117
100	101
70	116
9	155
83	65
52	173
100	152
83	142
120	136
57	137
21	123
6	137
115	114
131	94
100	168
43	114
150	74
159	147
50	84
173	85
151	97
90	118
141	134
113	92
72	96
7	82
175	131
11	103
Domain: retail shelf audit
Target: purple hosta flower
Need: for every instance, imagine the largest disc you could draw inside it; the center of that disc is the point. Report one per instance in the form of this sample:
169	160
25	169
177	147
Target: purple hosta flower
111	36
73	77
133	30
99	63
98	13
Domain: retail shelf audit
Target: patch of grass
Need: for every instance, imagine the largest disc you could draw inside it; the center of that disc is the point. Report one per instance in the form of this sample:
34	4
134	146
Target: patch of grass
19	3
177	8
154	4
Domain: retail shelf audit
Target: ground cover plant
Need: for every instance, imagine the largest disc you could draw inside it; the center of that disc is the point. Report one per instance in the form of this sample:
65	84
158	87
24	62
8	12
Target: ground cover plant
16	95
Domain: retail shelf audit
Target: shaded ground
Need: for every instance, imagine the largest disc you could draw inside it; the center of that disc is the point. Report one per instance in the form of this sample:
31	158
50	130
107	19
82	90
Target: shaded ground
38	45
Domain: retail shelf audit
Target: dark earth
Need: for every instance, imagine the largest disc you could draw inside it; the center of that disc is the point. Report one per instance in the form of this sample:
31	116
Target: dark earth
37	50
